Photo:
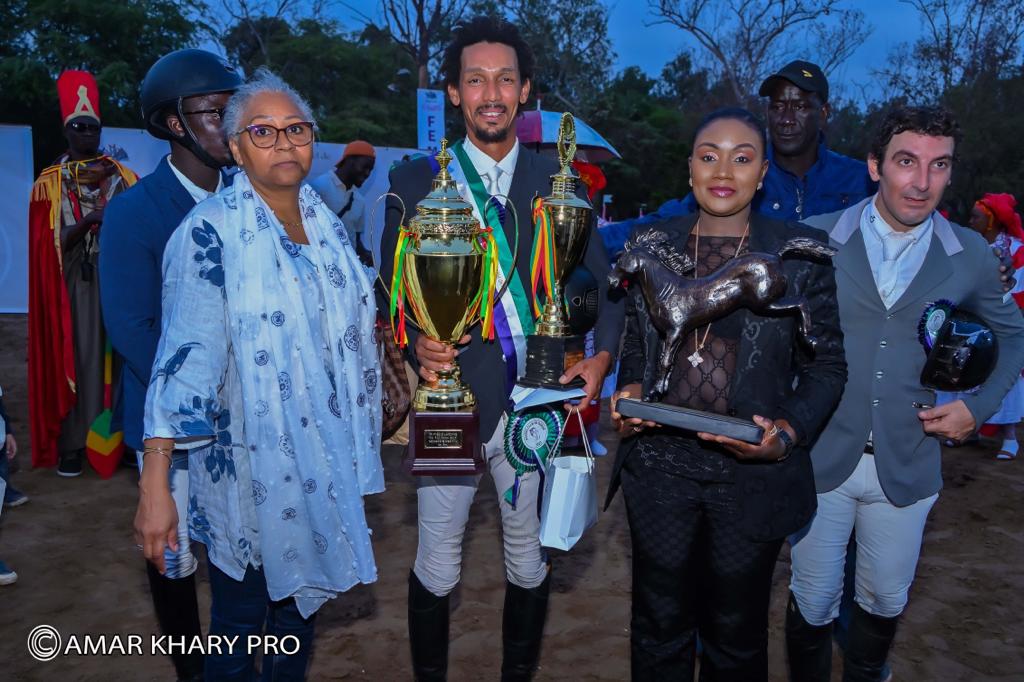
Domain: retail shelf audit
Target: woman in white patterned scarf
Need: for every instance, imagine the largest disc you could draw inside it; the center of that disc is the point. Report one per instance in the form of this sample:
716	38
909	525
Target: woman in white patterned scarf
267	374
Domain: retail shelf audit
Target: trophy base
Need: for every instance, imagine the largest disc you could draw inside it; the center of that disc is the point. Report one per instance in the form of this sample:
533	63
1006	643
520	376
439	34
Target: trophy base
691	420
547	358
444	444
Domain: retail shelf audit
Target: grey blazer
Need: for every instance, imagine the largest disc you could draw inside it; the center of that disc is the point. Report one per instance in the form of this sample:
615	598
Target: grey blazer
885	358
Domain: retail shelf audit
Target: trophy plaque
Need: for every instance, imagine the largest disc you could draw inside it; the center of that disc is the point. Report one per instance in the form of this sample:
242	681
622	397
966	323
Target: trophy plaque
562	221
678	303
445	266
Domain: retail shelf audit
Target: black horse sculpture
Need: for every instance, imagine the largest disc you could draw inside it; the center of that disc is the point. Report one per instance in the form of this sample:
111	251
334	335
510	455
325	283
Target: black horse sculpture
678	304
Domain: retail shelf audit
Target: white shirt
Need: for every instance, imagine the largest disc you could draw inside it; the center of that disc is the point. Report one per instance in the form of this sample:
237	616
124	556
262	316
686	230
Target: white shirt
197	193
485	166
895	257
336	196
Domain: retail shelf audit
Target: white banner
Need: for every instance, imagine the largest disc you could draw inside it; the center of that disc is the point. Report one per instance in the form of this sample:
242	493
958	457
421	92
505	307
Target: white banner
16	178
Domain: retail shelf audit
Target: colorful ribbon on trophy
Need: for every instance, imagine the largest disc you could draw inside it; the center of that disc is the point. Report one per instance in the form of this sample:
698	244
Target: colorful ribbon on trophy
484	301
397	302
542	260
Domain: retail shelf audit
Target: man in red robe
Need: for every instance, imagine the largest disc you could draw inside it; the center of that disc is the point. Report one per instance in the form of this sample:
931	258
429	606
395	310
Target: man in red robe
66	337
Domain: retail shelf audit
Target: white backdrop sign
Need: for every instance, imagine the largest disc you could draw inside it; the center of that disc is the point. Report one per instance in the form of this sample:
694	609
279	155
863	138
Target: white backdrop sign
16	178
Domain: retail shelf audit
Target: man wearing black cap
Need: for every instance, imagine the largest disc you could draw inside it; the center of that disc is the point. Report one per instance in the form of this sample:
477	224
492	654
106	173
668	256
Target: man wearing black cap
183	97
805	178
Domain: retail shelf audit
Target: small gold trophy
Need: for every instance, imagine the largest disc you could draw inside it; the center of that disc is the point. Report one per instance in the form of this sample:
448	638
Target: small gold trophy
445	268
562	227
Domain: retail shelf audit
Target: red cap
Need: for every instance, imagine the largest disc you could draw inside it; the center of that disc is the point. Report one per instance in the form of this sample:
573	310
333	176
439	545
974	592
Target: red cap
79	95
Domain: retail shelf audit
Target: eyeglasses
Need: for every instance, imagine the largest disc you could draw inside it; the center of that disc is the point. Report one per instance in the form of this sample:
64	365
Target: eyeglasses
83	127
219	113
265	136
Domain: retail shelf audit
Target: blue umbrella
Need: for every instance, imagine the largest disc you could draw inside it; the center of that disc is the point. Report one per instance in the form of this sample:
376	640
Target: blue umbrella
541	128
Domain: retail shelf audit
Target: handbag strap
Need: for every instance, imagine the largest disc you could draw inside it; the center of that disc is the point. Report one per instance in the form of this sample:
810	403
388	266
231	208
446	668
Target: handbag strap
584	438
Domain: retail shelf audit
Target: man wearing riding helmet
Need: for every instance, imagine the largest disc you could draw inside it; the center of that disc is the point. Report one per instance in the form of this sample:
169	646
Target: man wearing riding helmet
183	97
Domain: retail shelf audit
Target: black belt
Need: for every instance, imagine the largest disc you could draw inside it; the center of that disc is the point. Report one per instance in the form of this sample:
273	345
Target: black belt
869	449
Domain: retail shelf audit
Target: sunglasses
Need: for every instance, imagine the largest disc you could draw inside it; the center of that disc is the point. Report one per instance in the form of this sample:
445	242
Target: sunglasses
265	136
83	127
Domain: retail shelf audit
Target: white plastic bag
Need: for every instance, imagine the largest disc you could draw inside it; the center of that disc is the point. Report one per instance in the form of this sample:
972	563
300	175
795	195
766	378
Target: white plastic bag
569	506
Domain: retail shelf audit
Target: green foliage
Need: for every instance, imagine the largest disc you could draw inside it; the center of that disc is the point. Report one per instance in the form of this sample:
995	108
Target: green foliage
362	85
990	158
117	42
355	84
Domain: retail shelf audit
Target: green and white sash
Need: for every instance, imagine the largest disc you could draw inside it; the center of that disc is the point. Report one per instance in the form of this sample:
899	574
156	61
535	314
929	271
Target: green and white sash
513	317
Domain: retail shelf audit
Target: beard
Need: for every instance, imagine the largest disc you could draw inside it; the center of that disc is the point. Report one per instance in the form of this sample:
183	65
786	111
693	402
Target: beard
490	135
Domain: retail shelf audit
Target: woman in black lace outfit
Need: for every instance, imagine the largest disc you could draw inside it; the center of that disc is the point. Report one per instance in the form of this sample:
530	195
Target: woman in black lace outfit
708	515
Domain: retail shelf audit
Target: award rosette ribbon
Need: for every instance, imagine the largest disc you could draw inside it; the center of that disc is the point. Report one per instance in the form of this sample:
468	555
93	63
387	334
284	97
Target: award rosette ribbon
533	437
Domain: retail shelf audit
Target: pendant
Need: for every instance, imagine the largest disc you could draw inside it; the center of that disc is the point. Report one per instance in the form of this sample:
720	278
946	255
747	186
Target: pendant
696	358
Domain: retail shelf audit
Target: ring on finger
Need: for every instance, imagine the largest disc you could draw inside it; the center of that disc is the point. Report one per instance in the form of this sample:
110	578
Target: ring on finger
636	429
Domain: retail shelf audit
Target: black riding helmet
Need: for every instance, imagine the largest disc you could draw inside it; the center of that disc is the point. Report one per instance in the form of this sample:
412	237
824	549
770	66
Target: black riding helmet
581	294
962	350
181	74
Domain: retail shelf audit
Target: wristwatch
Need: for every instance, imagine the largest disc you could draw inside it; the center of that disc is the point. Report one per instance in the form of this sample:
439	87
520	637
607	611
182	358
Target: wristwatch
787	441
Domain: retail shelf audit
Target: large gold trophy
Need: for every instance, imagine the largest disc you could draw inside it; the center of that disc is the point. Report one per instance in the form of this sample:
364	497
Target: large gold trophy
445	268
562	227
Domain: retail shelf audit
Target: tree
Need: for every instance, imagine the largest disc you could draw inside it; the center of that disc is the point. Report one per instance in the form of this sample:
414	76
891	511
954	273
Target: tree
963	41
254	24
349	80
570	44
653	134
420	28
747	39
117	42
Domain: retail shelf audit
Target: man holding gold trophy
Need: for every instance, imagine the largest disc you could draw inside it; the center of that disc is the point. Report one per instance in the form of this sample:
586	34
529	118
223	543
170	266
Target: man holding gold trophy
461	258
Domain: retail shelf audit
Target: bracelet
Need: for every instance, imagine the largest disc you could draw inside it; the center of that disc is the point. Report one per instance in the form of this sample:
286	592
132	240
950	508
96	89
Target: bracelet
166	452
787	441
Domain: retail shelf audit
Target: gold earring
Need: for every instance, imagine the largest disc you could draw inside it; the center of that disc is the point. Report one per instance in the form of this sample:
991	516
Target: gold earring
691	182
760	185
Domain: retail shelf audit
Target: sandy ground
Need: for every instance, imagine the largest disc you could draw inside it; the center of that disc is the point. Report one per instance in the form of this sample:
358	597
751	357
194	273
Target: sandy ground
80	572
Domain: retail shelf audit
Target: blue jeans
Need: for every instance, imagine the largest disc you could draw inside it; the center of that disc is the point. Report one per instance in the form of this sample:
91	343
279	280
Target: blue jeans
5	468
244	608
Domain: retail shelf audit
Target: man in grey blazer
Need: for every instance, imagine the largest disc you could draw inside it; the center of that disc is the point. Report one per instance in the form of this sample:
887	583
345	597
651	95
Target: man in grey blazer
877	465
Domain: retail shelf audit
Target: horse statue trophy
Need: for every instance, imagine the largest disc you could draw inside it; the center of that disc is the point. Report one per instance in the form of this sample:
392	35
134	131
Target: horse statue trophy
678	303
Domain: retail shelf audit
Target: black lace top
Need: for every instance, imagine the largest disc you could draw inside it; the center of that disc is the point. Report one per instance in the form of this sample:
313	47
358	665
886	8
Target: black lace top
704	387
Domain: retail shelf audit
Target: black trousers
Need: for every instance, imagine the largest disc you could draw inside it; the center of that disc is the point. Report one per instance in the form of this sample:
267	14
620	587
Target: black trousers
694	569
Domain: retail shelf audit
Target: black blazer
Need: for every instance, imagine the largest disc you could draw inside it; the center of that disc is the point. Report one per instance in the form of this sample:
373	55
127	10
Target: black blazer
775	377
482	362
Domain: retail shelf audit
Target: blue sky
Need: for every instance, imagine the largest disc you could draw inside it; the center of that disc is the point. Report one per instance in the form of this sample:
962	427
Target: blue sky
650	47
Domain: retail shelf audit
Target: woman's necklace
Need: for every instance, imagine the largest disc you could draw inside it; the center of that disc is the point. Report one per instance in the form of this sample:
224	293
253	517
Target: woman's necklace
290	226
697	359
